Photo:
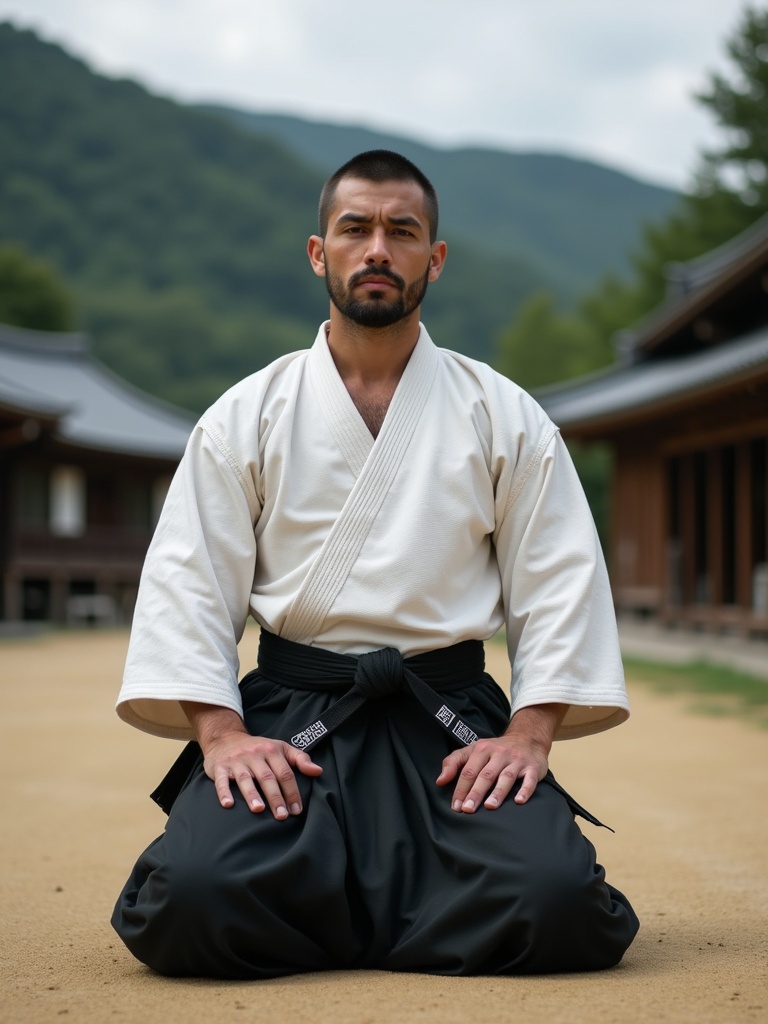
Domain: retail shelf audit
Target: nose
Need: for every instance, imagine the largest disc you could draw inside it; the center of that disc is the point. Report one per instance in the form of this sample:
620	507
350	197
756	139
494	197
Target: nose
378	249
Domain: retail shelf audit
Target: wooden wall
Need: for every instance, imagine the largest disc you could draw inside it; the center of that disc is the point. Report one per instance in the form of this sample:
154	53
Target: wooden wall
689	523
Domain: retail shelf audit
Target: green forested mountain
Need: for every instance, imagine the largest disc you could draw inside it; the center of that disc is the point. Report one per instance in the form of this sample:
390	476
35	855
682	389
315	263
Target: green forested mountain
570	220
181	236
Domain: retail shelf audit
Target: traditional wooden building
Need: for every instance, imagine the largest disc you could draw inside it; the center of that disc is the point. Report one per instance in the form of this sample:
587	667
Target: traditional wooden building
85	461
685	410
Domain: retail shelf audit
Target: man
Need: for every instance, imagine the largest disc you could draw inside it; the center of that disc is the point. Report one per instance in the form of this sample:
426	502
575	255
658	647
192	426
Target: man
380	506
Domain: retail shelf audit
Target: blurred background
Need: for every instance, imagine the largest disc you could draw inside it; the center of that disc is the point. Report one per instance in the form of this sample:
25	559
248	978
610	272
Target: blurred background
604	182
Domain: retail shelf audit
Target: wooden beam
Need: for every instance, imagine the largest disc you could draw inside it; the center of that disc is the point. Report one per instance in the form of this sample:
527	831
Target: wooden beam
749	385
731	434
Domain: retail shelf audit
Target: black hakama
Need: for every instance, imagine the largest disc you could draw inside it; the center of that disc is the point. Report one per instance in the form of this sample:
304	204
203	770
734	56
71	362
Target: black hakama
377	872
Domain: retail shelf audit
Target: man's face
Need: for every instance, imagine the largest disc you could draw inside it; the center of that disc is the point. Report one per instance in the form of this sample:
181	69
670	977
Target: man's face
376	256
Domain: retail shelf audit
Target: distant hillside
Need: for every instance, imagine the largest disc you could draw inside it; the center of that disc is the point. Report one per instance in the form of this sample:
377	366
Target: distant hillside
570	220
183	236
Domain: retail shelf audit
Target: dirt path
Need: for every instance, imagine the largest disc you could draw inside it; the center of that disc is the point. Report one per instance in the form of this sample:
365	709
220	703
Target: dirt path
686	794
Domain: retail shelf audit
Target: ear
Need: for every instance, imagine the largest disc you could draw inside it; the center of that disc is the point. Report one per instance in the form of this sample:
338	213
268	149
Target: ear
316	254
437	260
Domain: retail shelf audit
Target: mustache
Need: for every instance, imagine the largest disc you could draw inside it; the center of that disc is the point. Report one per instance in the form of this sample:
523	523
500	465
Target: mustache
374	271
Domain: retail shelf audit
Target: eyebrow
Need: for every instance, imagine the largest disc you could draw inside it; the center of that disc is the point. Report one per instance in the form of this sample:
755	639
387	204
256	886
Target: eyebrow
360	218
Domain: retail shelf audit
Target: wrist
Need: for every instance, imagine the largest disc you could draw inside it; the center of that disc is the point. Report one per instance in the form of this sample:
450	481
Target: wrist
210	723
537	724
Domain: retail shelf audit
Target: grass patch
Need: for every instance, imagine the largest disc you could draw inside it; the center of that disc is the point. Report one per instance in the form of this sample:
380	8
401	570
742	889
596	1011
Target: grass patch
717	690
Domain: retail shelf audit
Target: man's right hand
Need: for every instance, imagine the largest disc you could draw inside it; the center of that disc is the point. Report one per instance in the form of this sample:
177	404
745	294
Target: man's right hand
262	768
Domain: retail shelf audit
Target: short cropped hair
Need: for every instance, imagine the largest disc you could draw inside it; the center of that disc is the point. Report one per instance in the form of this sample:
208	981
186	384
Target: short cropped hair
379	165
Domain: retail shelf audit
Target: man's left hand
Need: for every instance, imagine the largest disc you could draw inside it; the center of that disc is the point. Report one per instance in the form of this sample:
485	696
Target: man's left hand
488	769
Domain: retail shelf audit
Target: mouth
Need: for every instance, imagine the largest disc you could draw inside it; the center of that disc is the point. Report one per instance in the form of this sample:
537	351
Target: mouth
376	284
376	281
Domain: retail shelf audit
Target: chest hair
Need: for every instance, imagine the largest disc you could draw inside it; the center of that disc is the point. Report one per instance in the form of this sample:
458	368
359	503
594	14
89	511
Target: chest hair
372	405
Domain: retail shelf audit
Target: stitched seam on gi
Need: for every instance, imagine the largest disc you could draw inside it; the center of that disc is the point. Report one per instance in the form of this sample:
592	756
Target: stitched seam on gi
533	463
227	454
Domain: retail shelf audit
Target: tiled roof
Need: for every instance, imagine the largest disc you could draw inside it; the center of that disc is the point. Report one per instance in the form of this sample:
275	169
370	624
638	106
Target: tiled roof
684	278
55	376
693	288
26	400
609	394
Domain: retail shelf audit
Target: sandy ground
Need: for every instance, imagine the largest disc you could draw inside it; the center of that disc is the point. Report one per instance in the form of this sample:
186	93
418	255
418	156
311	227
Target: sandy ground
686	794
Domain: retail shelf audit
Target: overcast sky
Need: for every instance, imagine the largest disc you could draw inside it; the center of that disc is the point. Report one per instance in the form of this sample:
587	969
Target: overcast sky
602	79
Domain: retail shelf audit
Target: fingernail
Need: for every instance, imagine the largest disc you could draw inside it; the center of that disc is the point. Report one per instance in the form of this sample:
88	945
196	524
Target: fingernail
295	809
491	802
281	812
457	805
257	805
469	805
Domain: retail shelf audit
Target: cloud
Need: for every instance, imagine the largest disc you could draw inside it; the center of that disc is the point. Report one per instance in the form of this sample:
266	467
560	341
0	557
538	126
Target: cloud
611	80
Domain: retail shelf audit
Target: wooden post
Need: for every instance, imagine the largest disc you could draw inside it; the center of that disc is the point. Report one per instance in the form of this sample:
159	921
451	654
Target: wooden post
743	505
687	532
715	526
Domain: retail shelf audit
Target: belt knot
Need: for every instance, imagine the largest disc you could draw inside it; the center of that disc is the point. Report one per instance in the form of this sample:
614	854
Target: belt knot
379	673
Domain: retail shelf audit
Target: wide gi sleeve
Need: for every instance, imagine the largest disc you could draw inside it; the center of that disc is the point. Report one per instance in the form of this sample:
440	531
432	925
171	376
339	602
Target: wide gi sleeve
194	593
561	626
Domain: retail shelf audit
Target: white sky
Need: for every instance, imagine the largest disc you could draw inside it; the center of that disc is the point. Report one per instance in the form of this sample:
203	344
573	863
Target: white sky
604	79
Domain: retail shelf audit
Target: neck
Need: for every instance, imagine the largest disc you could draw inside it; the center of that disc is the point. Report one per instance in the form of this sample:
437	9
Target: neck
371	362
371	355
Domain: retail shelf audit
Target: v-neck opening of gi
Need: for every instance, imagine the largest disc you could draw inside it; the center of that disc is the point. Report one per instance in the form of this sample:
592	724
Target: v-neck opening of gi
343	418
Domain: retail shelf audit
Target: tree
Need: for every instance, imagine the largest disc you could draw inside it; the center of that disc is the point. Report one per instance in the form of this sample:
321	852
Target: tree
31	295
739	169
543	345
729	192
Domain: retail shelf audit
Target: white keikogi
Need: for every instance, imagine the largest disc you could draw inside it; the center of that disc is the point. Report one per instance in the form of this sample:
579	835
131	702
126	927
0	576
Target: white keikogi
464	515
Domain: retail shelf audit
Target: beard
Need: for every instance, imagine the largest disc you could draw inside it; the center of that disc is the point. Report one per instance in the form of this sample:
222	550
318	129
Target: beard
375	310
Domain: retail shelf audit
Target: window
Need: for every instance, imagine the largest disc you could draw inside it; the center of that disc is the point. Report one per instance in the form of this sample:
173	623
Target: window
67	501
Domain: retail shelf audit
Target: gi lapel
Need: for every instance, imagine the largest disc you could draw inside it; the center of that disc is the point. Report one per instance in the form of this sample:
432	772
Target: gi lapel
376	464
344	422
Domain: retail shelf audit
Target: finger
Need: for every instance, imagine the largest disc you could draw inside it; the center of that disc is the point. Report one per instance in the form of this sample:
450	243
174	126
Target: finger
276	779
273	794
486	779
304	763
278	784
530	782
221	780
475	779
451	766
244	779
288	759
502	789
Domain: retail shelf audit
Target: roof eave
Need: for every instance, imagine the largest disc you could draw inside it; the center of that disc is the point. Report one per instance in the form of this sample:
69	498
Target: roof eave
728	266
629	415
